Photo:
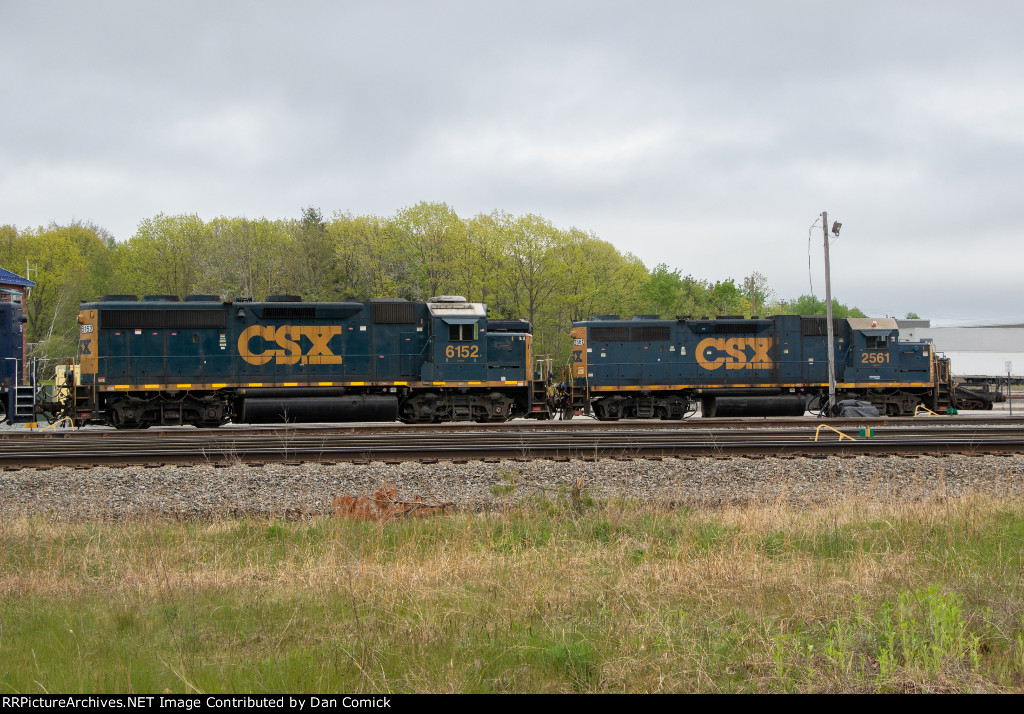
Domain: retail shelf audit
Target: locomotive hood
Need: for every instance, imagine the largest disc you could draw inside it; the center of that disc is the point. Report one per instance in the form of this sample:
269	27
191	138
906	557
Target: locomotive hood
457	311
866	324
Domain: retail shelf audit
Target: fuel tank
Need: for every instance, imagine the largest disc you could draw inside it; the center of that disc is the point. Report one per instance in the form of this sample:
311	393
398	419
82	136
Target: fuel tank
782	405
302	409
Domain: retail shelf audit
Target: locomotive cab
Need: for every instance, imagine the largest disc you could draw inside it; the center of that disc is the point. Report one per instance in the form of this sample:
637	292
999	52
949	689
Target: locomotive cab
875	353
471	373
459	349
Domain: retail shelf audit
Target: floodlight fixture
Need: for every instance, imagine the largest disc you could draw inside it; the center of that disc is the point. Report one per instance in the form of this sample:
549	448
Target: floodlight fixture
835	228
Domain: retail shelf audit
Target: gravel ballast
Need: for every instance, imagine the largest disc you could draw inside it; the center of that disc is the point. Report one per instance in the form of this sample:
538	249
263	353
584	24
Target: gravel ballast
205	491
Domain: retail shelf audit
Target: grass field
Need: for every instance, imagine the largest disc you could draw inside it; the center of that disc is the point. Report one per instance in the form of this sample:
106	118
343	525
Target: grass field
558	595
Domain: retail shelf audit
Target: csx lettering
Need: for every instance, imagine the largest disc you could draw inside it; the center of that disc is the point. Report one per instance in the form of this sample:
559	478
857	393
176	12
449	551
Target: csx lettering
734	352
288	339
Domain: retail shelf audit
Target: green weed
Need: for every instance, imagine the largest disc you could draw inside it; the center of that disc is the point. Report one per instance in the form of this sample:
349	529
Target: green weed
554	594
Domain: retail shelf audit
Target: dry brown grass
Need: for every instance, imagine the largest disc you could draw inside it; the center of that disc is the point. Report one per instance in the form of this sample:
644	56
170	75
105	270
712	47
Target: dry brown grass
553	596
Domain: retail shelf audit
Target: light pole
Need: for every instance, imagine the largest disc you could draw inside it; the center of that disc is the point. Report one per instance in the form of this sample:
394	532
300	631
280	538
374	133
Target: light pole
830	330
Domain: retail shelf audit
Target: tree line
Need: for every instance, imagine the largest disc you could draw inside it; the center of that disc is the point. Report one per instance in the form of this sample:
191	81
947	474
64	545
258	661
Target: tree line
522	266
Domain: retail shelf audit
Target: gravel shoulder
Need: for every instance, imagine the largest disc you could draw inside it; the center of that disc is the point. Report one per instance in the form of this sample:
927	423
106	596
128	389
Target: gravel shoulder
279	490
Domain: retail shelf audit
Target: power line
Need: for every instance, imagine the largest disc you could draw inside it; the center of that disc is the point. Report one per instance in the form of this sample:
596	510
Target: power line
810	279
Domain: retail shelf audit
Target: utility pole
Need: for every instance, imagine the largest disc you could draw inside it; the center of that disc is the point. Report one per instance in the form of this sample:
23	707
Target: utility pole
828	321
1009	389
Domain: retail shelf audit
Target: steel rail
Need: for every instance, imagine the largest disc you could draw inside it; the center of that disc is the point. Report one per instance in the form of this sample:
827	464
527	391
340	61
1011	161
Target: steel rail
165	438
227	446
582	424
518	426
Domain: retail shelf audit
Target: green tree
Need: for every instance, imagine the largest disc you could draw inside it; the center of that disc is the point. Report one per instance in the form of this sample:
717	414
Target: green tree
70	264
310	263
479	279
810	305
662	290
9	246
520	266
596	278
435	238
759	295
246	257
168	255
593	278
371	260
725	298
527	274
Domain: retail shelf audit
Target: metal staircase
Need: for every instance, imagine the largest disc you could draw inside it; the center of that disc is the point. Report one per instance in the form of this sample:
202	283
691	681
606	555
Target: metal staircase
540	404
21	404
944	385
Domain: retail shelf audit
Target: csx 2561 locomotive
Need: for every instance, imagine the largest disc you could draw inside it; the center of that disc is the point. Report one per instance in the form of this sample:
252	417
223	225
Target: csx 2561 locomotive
647	367
204	361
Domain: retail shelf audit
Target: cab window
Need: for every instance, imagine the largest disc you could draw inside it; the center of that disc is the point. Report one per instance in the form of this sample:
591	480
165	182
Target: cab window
462	333
875	343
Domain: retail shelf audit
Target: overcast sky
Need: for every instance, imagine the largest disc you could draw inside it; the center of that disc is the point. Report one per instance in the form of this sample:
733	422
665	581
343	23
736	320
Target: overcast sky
708	136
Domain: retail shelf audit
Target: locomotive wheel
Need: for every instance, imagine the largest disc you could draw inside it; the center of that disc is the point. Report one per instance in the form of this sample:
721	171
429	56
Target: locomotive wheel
602	413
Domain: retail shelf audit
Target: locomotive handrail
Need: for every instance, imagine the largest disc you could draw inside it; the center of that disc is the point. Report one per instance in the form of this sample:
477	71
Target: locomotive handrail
17	372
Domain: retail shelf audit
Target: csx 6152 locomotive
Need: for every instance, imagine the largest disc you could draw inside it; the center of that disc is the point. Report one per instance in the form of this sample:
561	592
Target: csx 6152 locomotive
204	361
647	367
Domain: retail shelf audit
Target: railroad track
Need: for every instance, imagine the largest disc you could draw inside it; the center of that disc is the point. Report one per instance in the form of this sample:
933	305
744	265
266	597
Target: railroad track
571	440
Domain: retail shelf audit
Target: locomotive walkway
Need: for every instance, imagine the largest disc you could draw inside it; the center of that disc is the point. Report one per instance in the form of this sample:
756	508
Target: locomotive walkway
576	440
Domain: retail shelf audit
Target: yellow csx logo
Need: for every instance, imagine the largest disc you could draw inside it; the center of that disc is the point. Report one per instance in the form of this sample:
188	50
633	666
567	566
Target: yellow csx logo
735	352
289	350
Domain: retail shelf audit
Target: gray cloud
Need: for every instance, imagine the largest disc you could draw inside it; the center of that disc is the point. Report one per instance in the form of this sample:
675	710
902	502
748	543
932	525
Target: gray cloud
704	137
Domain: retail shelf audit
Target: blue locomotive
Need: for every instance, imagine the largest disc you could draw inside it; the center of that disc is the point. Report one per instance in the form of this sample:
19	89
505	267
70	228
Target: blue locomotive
652	368
204	361
16	397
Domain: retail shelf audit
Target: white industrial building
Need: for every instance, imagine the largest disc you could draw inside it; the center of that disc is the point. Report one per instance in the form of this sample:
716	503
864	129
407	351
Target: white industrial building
981	350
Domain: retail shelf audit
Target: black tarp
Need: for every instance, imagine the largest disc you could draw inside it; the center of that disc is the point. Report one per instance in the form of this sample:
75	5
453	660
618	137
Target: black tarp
854	408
